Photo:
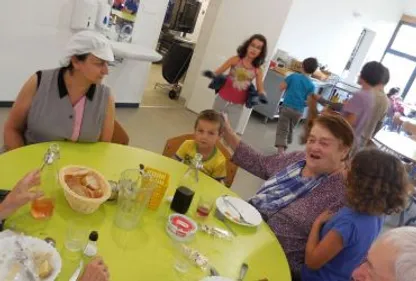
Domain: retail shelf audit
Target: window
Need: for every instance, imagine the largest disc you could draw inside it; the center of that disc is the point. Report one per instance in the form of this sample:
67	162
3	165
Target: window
400	59
405	41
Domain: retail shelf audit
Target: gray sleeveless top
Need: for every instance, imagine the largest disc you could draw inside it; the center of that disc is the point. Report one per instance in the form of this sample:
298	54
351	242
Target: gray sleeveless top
51	115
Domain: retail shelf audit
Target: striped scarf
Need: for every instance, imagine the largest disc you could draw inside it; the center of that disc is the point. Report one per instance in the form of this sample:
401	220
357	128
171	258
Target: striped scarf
284	188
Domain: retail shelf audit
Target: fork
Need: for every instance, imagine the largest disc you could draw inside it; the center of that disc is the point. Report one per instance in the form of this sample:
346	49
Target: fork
228	203
221	217
22	257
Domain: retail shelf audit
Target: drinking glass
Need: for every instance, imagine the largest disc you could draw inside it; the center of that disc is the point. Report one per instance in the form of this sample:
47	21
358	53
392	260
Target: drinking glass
181	261
204	206
133	199
76	237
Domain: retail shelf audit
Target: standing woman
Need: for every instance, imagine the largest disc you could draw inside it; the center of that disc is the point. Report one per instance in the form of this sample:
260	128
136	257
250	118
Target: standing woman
66	103
243	69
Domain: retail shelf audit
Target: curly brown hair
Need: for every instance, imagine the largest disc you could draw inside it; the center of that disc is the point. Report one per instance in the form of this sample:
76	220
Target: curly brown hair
377	183
242	50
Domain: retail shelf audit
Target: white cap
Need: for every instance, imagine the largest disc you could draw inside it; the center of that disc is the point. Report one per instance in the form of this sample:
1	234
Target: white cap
86	42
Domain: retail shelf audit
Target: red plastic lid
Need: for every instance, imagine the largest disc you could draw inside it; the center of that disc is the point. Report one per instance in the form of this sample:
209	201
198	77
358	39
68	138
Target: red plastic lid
182	224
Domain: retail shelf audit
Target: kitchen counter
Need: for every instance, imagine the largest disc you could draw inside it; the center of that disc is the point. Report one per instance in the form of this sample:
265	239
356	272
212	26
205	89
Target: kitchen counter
275	96
128	78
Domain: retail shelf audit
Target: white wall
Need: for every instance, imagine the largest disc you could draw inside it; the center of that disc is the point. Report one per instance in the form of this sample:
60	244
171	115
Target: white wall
410	8
33	37
227	24
329	30
33	34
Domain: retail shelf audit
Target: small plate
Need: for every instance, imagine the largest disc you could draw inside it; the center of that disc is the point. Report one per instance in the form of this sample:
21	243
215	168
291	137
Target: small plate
249	213
216	278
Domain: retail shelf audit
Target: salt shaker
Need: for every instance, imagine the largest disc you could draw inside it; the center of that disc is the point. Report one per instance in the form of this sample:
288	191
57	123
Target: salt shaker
91	248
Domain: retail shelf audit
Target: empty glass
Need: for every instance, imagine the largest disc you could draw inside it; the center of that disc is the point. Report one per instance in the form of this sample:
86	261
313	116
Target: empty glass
76	238
181	261
133	199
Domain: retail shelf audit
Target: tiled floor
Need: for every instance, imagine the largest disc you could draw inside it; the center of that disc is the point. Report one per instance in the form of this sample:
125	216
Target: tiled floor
160	118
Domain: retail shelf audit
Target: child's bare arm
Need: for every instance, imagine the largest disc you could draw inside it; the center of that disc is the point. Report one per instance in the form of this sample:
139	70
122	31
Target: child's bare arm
259	82
283	86
226	65
337	106
319	252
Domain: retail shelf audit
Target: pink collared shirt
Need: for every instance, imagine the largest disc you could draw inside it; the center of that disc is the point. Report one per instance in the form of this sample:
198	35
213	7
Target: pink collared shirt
79	114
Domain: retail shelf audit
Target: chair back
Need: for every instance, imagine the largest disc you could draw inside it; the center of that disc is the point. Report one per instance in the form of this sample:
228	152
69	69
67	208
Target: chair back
172	145
120	135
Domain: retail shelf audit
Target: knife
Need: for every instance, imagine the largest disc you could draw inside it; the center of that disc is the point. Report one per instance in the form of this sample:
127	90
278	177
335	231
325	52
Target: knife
77	271
243	272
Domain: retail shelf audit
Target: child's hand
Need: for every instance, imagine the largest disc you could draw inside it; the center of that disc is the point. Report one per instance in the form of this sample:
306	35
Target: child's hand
324	217
263	98
397	119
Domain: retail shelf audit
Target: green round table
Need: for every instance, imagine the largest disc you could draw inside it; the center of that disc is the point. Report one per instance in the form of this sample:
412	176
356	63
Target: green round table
145	253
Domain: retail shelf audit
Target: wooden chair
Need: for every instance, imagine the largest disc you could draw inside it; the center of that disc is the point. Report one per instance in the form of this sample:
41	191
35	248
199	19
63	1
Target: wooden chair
173	144
120	135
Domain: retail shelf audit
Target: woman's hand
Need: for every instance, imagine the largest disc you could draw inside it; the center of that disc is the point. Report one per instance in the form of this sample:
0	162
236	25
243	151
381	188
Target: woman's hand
229	135
21	194
96	270
227	124
324	217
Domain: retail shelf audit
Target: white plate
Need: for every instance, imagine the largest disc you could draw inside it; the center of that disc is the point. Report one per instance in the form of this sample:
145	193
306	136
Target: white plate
30	245
216	278
249	213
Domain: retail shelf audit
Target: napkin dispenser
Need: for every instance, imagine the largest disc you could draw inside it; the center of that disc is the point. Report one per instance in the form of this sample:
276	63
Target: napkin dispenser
182	200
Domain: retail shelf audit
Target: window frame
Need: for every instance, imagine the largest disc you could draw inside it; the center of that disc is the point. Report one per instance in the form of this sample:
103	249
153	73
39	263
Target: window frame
390	50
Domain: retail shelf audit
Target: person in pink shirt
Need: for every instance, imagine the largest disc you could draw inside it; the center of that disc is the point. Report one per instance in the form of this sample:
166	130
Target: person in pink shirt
243	69
118	4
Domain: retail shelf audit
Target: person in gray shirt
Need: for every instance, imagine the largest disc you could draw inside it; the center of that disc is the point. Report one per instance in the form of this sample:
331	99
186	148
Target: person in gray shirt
69	102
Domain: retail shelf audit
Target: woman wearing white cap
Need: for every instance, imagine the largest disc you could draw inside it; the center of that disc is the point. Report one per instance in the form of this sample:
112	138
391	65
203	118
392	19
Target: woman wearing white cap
67	103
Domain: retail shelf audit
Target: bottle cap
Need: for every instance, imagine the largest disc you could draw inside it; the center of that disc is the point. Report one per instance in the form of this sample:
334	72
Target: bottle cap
93	236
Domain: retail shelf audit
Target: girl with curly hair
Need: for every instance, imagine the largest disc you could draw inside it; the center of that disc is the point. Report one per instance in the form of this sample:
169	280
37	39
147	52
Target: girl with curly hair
376	186
243	69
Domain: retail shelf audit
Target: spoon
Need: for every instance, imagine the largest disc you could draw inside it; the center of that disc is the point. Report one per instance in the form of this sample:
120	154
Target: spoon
243	272
50	241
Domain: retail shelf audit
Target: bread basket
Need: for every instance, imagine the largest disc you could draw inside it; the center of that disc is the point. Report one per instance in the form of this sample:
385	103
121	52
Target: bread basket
80	203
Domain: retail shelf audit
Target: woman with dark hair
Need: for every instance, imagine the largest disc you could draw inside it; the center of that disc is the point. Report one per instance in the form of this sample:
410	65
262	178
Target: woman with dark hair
66	103
376	186
243	69
300	185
